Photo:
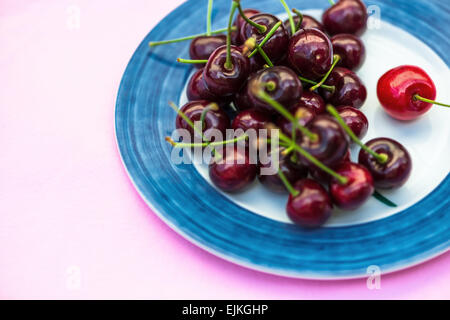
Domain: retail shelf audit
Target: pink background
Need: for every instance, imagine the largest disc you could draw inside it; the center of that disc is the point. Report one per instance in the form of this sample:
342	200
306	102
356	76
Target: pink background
71	223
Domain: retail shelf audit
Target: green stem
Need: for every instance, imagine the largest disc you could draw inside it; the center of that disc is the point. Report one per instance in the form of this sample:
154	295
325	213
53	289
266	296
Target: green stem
228	63
266	38
336	59
287	184
329	88
291	20
300	18
158	43
259	27
417	97
188	61
205	144
331	2
383	199
211	107
185	118
264	55
380	157
208	17
285	113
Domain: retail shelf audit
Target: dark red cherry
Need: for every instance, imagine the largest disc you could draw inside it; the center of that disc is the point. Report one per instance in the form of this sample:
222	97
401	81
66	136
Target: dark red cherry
251	119
202	47
349	89
196	88
238	23
396	171
331	144
304	116
286	87
234	171
291	170
312	207
214	119
312	101
358	189
218	79
355	119
276	46
308	22
322	176
241	100
346	16
396	90
310	52
350	49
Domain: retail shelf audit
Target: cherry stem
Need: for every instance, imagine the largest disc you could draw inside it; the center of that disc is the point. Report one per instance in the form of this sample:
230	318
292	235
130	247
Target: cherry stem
228	63
380	157
205	144
208	17
287	184
158	43
331	2
211	107
291	19
259	27
267	37
264	55
270	85
300	20
188	61
383	199
285	113
341	179
336	59
329	88
186	118
417	97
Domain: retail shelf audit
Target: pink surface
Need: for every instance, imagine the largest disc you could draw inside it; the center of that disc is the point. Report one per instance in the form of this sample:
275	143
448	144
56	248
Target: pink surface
71	223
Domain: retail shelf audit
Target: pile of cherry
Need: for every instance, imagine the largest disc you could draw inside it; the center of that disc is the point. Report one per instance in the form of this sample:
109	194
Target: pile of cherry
298	76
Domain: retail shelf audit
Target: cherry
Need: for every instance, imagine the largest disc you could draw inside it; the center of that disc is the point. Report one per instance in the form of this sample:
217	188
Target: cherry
202	47
331	143
311	101
251	119
310	52
280	83
355	119
346	16
197	90
304	116
241	100
349	89
350	49
292	171
239	22
311	206
395	171
406	92
275	47
308	22
321	175
356	191
233	172
214	118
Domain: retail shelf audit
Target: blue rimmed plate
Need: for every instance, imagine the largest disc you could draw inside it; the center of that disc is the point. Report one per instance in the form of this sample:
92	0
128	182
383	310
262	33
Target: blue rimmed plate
251	229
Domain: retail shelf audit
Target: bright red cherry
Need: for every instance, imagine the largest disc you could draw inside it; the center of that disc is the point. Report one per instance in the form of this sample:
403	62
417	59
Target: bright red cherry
398	91
346	16
311	207
356	191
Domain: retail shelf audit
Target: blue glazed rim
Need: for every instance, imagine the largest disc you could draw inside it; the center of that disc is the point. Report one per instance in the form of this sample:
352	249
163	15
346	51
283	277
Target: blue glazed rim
181	198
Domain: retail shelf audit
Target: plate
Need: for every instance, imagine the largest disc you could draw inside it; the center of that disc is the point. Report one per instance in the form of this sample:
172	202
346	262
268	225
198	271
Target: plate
251	229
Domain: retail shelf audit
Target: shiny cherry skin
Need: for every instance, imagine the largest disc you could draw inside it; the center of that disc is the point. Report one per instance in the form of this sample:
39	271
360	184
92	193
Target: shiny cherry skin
234	172
356	191
213	120
331	144
350	49
238	23
288	88
310	52
291	170
251	119
322	176
346	16
304	116
197	90
202	47
312	101
396	90
312	207
355	119
276	46
396	171
349	89
308	22
220	81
